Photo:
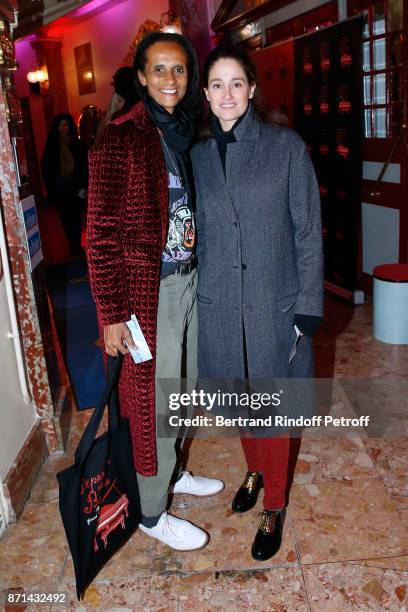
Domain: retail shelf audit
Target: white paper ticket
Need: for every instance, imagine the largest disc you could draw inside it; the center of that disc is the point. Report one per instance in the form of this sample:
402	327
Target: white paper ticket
140	352
293	349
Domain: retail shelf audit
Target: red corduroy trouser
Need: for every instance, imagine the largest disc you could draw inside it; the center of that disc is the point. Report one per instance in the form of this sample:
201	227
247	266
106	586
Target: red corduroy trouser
276	459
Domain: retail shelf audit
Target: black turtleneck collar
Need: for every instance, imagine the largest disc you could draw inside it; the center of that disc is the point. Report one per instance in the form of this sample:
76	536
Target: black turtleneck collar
224	138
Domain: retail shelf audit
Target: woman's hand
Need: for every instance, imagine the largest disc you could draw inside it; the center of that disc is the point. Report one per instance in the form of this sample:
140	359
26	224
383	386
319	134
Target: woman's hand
114	337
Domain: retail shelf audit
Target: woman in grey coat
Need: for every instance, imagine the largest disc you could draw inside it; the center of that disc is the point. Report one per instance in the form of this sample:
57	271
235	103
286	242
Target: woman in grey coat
260	266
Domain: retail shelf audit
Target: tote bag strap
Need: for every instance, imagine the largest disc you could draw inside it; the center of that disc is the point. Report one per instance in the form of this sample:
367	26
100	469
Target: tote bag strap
109	396
113	404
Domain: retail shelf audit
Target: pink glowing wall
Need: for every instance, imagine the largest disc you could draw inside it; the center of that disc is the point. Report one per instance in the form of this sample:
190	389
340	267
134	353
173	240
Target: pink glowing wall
110	34
26	60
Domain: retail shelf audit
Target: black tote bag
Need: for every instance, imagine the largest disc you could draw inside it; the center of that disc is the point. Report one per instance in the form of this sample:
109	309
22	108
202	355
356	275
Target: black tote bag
98	495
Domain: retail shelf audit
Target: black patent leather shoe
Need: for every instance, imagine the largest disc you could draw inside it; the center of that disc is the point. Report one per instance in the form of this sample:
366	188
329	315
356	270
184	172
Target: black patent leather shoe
247	494
268	539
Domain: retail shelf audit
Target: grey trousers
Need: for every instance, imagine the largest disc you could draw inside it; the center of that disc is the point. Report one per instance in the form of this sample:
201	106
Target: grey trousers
176	320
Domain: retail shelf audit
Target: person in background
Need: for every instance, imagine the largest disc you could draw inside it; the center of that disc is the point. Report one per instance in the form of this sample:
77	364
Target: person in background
141	256
124	97
124	85
260	266
64	168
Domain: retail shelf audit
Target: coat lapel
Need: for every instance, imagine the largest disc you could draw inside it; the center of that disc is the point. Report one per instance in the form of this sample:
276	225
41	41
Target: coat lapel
239	167
240	161
242	154
218	181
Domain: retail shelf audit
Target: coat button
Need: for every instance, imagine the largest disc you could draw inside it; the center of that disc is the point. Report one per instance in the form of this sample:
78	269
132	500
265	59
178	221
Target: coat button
243	267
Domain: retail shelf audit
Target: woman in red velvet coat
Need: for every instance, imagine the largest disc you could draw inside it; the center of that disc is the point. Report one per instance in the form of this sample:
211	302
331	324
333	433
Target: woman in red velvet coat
141	243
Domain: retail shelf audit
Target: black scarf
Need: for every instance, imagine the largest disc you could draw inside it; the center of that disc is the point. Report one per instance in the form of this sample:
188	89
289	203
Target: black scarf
178	132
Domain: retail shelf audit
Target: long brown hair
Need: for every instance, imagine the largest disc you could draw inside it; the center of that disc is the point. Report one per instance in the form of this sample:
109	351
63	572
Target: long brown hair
240	55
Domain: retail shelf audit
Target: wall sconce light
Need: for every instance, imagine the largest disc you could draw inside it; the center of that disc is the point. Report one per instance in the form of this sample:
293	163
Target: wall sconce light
37	76
170	23
38	80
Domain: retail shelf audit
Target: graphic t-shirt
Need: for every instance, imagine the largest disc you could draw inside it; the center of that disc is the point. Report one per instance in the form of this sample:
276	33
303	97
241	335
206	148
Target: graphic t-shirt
181	232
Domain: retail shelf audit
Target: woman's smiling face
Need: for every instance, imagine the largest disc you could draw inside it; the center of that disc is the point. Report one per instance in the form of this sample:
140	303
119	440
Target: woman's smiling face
165	74
228	91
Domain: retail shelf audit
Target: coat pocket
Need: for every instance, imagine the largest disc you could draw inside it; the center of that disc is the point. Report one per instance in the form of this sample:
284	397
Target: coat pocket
287	302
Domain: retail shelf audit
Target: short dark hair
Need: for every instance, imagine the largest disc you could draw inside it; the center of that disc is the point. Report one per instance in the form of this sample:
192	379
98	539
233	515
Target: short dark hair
192	101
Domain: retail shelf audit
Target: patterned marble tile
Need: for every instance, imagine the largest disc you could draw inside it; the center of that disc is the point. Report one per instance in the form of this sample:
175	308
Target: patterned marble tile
385	400
276	589
231	534
46	487
353	347
331	398
396	563
78	424
361	365
390	456
341	521
343	510
338	587
333	401
218	458
346	348
404	515
32	551
231	537
326	459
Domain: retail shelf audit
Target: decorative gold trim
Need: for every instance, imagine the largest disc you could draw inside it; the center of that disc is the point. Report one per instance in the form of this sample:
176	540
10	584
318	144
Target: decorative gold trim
268	521
146	27
251	481
7	57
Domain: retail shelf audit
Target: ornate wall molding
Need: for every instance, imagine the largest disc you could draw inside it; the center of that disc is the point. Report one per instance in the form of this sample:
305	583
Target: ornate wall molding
23	287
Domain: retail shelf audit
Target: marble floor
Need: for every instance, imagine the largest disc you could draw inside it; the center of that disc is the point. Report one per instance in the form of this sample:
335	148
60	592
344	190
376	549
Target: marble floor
345	544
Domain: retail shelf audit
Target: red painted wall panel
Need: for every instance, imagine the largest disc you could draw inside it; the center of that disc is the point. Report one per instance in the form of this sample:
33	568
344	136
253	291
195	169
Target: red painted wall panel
276	77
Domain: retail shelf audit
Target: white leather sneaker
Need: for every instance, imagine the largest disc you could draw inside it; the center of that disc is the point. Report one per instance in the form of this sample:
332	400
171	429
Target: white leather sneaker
177	533
196	485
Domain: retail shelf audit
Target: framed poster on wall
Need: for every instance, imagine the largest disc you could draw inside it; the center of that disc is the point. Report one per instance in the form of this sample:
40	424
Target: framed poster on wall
32	231
84	69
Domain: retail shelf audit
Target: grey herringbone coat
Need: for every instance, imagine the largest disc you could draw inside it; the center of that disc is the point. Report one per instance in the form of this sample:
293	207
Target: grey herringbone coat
259	252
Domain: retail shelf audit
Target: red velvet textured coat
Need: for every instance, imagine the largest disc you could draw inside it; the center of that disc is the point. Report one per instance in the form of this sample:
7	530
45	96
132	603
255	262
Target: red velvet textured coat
127	230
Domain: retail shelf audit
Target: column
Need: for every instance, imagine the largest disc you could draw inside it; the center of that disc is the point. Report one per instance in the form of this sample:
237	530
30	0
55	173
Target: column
195	21
48	51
